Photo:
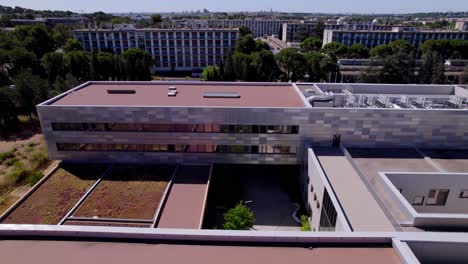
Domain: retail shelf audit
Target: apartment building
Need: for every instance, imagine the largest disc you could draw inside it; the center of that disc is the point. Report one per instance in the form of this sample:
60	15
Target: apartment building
259	27
291	30
372	38
171	49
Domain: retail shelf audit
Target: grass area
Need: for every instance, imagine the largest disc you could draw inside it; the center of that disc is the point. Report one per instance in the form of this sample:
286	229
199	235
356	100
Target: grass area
56	196
130	192
22	164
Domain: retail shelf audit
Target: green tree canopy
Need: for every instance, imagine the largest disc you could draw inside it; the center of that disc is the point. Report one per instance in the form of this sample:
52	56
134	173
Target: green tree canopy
72	45
31	90
55	65
156	19
244	31
211	73
358	51
36	39
311	44
335	49
239	218
292	62
246	44
137	65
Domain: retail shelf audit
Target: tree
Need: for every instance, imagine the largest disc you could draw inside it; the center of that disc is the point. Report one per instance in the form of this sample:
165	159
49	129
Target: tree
60	34
335	49
63	84
36	39
211	73
246	44
239	218
398	68
292	62
393	47
137	65
105	66
314	66
8	111
19	58
31	90
72	45
261	45
244	31
358	51
311	44
265	66
301	34
54	65
79	64
156	19
381	51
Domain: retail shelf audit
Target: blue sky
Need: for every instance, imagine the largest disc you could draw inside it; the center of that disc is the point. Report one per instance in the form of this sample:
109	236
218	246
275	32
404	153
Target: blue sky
336	6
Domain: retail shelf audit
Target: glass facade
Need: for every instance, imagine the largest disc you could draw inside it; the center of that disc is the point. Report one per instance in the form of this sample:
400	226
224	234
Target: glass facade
328	214
175	148
182	128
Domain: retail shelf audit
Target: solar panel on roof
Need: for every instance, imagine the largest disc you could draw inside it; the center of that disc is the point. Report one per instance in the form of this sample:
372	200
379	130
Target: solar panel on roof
221	95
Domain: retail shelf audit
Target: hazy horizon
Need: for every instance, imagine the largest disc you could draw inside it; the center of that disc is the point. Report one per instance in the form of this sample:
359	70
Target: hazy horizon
293	6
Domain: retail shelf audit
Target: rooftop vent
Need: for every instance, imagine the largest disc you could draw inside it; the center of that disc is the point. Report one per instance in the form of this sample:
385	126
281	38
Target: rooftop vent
221	95
172	91
121	91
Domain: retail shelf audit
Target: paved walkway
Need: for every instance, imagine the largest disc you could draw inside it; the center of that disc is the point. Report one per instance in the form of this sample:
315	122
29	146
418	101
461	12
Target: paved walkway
185	205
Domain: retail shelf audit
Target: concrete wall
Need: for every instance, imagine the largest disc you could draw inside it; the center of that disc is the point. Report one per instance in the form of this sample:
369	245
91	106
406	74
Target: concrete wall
419	185
319	181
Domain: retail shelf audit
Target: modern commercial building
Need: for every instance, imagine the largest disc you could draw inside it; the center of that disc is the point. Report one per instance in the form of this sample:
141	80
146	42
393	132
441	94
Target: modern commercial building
384	167
372	38
271	123
171	49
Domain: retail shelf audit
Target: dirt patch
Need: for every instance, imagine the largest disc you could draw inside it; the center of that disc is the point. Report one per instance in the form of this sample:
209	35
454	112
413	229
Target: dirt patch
56	196
129	192
114	224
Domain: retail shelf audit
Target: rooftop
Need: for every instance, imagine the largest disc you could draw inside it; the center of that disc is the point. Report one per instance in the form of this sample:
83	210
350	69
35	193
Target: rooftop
440	168
24	251
390	96
188	94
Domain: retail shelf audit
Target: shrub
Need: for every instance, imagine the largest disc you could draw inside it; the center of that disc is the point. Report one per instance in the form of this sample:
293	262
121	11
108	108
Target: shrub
12	161
7	155
239	218
18	174
305	224
39	158
34	177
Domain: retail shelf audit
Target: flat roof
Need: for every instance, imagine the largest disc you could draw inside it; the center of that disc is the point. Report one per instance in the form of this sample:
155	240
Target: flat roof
371	161
188	94
362	210
71	252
